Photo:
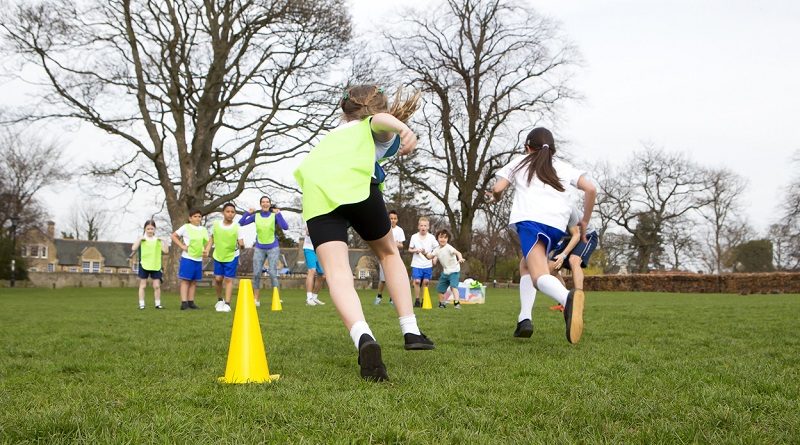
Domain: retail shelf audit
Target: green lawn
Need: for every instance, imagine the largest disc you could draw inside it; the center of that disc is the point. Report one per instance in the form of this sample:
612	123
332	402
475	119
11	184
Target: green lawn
85	365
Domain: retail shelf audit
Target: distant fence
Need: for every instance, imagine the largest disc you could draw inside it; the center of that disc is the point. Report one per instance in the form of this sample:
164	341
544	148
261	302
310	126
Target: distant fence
734	283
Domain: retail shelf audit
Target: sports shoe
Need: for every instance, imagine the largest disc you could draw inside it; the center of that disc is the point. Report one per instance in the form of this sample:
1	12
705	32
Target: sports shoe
417	303
457	305
158	306
378	300
573	315
442	306
311	302
369	358
319	303
219	305
417	342
184	305
226	307
258	303
524	329
141	306
192	305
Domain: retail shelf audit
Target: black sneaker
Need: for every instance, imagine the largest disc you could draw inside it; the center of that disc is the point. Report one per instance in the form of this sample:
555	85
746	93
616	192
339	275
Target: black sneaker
524	329
417	342
184	305
158	306
442	306
369	358
417	303
573	315
192	305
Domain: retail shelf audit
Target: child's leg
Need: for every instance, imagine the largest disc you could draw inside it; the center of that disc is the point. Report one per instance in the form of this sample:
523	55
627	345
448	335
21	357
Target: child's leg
259	256
334	258
218	279
577	271
441	297
184	290
157	291
395	273
416	289
536	262
527	293
191	288
228	289
311	276
142	287
273	255
318	279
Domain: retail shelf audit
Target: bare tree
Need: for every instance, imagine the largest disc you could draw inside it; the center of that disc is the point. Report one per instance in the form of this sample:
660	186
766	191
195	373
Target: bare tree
723	188
28	164
487	66
89	222
653	188
785	233
203	93
681	249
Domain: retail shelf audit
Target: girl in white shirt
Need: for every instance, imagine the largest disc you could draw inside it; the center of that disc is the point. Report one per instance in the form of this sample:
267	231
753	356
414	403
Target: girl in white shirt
539	212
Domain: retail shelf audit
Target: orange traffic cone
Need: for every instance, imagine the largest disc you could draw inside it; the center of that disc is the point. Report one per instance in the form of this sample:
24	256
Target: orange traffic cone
426	299
247	361
276	300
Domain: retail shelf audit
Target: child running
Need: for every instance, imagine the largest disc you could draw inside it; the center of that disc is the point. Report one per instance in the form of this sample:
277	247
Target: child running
226	242
266	245
191	238
315	273
451	260
578	251
150	250
541	207
340	179
422	243
399	238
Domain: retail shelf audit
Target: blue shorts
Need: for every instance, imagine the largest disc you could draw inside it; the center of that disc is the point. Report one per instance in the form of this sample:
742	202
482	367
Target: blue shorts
421	273
190	270
312	262
227	270
584	250
448	280
154	274
532	232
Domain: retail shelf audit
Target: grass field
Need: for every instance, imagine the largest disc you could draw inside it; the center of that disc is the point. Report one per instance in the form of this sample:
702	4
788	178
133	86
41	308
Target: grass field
86	366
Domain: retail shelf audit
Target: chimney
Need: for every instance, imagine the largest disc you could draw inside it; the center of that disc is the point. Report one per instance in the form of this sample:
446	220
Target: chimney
51	229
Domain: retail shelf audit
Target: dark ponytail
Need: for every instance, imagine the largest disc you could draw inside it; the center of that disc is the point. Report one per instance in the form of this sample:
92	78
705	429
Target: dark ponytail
540	160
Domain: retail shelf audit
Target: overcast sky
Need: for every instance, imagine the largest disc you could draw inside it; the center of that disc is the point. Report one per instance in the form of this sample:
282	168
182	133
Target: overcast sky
718	80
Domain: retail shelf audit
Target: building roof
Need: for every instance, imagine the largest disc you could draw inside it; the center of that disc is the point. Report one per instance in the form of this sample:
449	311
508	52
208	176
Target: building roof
115	254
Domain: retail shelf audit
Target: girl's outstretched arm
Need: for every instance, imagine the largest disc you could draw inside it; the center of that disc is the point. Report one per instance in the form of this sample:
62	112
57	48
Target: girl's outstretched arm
496	192
384	125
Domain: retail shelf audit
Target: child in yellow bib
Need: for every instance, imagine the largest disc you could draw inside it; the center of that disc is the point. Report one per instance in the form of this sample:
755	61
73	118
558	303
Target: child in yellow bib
191	238
340	179
149	248
226	241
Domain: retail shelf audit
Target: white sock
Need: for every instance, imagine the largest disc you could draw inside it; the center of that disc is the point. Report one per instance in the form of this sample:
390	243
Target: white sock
158	302
309	296
408	325
141	302
315	296
552	287
359	328
527	295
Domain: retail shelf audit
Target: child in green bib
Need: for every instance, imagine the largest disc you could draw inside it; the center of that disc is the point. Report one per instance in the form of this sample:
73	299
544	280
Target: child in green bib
341	181
191	238
150	248
226	241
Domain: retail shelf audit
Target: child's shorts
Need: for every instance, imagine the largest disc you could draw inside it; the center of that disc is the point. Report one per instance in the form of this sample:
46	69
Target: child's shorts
368	218
584	250
227	270
421	273
190	270
532	232
312	262
448	280
154	274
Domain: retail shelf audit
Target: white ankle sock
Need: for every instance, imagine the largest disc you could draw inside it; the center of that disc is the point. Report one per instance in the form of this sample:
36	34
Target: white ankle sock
552	287
408	325
527	295
359	328
315	296
309	296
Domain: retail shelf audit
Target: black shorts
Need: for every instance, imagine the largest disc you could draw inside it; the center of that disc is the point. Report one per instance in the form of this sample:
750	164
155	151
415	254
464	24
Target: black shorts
368	218
583	250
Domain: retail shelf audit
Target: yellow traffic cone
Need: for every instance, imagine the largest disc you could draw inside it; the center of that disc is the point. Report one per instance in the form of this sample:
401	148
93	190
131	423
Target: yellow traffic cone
426	299
247	361
276	300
